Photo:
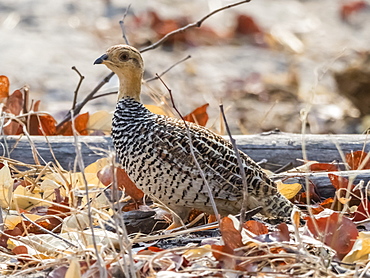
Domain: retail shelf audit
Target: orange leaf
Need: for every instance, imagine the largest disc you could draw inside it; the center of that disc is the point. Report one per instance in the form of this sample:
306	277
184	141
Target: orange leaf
339	232
105	175
4	86
352	7
256	227
36	106
231	236
338	181
323	167
355	159
80	126
198	116
21	249
327	203
363	211
246	25
42	124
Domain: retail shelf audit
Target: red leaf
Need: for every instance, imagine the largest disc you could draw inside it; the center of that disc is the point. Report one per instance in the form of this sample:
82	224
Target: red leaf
198	116
105	175
42	124
14	103
363	211
339	232
323	167
338	181
246	25
231	236
21	249
352	7
256	227
4	86
80	125
355	159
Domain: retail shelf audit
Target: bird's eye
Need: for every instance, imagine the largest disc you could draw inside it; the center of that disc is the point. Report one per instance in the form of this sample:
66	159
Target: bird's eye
123	57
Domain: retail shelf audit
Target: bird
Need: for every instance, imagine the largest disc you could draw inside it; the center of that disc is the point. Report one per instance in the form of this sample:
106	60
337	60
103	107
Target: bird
155	151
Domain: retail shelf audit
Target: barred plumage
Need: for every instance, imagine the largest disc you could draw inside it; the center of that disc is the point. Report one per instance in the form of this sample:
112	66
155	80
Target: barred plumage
155	152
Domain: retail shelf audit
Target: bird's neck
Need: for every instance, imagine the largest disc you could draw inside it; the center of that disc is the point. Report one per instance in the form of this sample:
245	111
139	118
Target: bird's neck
130	86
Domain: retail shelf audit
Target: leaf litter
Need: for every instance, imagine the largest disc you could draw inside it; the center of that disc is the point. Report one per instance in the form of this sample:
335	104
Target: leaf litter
46	224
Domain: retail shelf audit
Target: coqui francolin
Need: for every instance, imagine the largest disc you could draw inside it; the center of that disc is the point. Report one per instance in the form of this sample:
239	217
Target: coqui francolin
155	152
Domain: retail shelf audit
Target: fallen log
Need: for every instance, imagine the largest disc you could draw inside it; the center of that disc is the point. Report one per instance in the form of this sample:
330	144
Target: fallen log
275	149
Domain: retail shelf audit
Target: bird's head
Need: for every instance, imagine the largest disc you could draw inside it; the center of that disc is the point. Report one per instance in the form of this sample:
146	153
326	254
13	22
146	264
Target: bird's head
127	63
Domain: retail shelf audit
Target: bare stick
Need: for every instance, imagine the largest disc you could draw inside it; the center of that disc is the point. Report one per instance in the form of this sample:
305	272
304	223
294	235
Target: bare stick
81	104
213	203
48	232
78	87
122	24
191	25
90	96
242	172
167	70
81	165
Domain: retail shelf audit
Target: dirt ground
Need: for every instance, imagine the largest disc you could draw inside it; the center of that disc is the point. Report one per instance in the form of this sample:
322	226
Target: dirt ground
267	77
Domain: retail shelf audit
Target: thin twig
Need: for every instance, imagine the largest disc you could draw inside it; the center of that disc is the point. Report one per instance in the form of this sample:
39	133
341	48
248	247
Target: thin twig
167	70
81	104
102	269
211	198
90	96
78	87
190	25
122	24
240	165
48	232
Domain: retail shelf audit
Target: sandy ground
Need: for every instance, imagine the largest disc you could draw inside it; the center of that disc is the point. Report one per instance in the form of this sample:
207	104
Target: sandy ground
42	40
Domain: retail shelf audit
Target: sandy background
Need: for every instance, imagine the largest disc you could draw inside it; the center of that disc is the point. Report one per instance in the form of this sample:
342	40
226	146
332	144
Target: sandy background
263	86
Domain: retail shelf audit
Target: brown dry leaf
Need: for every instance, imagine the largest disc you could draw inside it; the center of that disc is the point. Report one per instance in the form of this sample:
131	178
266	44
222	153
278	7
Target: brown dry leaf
80	125
363	211
11	221
105	175
255	227
339	232
231	236
198	116
42	124
323	167
338	181
288	190
4	86
356	159
14	103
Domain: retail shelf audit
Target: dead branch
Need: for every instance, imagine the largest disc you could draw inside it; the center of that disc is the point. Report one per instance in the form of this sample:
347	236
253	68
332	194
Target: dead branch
78	87
106	79
122	24
191	25
240	165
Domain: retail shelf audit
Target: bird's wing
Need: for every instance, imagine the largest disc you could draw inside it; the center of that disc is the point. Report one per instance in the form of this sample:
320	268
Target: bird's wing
215	156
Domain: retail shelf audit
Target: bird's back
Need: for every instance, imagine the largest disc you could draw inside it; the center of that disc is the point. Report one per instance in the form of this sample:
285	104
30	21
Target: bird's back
155	152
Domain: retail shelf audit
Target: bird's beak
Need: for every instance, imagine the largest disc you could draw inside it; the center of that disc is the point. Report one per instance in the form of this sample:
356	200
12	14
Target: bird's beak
101	59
